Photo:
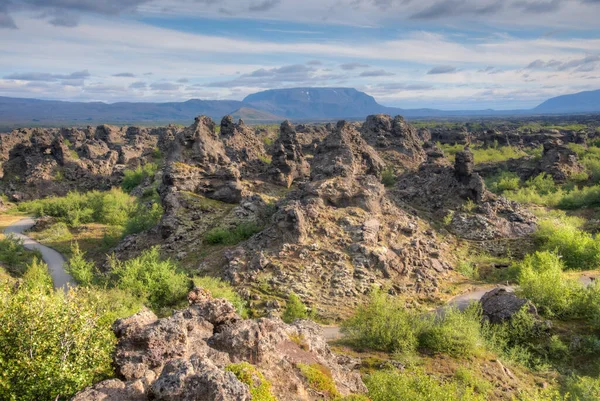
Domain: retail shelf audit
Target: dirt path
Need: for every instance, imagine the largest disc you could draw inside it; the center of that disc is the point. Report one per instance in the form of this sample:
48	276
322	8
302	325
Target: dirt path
54	260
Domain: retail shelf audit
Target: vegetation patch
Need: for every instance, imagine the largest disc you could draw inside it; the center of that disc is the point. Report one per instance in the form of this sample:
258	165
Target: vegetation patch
133	178
294	309
52	344
221	289
232	236
260	388
319	379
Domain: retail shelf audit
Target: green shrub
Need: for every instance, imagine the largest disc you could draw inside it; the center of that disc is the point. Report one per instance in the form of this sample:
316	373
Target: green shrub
468	269
232	236
143	218
37	276
388	385
221	289
542	184
388	177
454	333
294	309
14	256
319	379
581	198
496	154
52	344
133	178
157	282
111	207
383	324
81	270
583	389
58	232
541	281
260	388
504	181
579	250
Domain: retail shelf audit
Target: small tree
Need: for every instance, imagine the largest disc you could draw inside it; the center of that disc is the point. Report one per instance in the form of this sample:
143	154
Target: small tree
294	309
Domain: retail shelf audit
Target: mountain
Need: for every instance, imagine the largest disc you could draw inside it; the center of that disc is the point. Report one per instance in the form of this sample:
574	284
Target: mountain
270	105
250	114
582	102
317	103
32	111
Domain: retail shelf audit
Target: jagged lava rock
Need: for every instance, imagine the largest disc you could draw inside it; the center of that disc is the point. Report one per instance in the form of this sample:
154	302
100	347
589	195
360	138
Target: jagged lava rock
288	163
185	356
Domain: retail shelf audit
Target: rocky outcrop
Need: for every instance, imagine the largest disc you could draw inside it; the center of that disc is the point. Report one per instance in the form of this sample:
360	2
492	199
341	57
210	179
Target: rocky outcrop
344	153
288	163
500	305
243	146
476	214
384	133
43	162
190	355
198	163
559	161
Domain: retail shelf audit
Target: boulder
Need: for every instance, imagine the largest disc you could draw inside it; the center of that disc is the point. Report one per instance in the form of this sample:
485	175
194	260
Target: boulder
500	305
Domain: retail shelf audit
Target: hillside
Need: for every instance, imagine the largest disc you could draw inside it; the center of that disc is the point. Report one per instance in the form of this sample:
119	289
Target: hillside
582	102
250	114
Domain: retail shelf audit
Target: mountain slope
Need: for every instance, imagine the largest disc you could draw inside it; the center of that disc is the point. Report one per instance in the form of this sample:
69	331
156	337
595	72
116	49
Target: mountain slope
318	103
582	102
22	111
250	114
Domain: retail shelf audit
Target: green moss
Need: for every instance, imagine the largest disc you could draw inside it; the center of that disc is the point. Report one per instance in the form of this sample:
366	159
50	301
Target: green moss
260	388
221	289
319	379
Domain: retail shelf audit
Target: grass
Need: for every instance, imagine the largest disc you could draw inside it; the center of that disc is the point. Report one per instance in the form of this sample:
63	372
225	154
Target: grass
221	289
231	236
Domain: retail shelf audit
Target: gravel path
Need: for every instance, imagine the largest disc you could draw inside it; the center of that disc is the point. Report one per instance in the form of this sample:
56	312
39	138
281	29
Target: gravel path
54	260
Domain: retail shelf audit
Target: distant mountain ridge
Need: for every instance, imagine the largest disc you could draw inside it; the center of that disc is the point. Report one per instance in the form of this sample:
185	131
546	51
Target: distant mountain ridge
270	105
582	102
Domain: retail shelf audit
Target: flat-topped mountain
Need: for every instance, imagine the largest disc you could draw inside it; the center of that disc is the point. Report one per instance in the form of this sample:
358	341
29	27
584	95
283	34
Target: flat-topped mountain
309	104
322	103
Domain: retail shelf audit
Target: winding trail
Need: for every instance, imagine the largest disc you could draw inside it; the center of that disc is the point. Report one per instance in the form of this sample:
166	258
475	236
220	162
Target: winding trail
54	260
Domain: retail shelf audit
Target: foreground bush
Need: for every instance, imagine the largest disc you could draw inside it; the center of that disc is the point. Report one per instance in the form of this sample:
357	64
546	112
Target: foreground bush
383	324
221	289
583	389
414	386
454	333
541	281
52	344
14	256
579	250
157	282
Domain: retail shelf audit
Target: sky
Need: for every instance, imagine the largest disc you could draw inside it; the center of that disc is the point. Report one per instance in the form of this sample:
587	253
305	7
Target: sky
445	54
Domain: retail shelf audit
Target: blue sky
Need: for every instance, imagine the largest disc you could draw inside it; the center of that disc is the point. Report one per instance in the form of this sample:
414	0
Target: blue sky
448	54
